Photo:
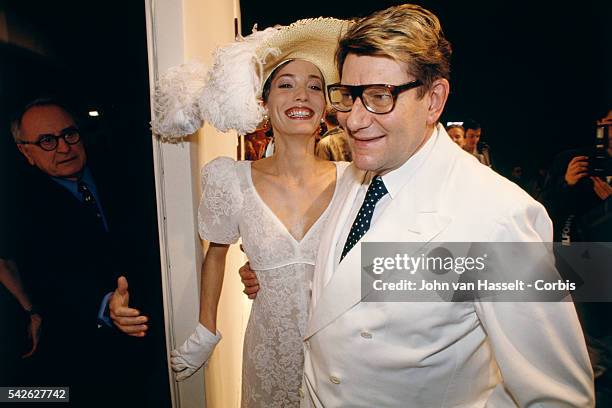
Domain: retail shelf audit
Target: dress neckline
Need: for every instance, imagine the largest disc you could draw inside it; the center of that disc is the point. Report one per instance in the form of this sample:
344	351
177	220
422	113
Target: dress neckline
278	220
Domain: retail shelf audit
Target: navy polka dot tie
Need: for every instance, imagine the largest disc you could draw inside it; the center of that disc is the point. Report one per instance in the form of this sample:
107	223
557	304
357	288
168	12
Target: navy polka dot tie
361	225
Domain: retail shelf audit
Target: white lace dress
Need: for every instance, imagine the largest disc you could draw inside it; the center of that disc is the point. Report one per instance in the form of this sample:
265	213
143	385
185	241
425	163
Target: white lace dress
273	356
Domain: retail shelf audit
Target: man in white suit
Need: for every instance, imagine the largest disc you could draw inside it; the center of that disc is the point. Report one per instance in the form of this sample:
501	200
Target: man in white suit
408	184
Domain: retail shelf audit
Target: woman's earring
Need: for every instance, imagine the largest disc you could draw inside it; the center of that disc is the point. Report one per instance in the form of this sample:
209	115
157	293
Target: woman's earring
265	123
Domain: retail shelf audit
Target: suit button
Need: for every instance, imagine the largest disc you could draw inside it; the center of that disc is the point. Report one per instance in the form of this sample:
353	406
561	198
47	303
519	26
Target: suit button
366	335
334	379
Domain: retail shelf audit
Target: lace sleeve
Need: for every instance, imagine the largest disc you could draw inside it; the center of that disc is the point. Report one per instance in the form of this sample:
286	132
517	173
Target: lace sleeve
221	202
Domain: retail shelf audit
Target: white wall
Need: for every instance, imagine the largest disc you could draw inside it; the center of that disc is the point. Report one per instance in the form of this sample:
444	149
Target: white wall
179	31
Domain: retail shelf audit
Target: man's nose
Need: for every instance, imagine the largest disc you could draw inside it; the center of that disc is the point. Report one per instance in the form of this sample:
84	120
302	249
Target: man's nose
359	117
62	146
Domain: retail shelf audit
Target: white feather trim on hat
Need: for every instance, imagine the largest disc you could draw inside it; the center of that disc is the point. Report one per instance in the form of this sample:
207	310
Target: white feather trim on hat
229	99
228	96
175	106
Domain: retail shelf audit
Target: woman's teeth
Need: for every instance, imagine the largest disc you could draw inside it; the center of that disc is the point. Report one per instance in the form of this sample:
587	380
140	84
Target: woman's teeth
299	113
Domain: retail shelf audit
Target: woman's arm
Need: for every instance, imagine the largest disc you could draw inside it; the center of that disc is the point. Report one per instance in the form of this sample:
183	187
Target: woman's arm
196	350
213	269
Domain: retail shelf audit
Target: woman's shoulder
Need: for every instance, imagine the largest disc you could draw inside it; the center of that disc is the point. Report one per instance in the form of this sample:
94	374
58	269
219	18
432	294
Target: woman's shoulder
222	170
225	165
222	163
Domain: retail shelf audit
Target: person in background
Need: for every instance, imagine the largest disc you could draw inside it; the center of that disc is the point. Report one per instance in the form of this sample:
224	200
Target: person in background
536	184
65	260
578	195
457	133
333	145
572	189
517	177
472	142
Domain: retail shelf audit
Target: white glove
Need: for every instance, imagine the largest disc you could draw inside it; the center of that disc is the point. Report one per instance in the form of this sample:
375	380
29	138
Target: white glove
194	352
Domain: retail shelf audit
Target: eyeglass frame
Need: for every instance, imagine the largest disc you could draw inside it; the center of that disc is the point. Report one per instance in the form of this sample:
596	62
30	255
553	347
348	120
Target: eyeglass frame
357	92
63	135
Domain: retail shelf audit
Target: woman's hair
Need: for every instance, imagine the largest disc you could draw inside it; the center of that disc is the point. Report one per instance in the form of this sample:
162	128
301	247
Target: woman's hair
268	84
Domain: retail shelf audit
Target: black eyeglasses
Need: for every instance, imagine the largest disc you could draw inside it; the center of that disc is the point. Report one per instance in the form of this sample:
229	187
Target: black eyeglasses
50	142
377	98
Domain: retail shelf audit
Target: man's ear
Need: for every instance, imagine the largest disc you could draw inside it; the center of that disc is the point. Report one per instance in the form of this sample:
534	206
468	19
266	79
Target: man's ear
24	150
438	94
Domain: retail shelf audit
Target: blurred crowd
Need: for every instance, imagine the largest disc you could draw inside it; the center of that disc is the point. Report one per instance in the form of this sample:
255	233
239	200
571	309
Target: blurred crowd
576	190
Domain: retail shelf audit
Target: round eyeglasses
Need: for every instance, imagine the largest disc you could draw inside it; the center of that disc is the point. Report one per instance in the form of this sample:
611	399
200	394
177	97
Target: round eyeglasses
377	98
50	142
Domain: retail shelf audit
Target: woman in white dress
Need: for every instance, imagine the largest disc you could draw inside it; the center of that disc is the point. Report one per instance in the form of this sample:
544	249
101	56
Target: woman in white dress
278	205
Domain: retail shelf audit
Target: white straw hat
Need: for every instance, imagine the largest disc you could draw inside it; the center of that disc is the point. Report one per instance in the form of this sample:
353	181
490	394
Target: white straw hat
313	40
229	97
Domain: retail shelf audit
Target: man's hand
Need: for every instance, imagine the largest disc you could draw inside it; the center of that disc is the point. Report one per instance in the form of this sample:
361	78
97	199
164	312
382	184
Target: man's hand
249	280
128	320
601	188
33	333
576	169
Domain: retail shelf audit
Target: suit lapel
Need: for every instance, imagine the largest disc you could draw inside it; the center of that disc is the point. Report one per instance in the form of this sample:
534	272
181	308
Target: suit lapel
324	264
344	288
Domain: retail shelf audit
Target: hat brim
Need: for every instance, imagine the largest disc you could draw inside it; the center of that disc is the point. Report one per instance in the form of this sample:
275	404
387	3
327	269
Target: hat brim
313	40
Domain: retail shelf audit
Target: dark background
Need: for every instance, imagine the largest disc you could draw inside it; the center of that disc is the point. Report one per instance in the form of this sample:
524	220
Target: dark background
536	75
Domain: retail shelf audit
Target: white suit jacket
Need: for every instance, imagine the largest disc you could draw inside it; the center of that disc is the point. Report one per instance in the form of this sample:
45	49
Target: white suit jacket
442	354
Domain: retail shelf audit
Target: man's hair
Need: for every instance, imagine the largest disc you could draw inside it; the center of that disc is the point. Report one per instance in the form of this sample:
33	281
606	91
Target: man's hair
449	127
471	124
407	33
42	101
